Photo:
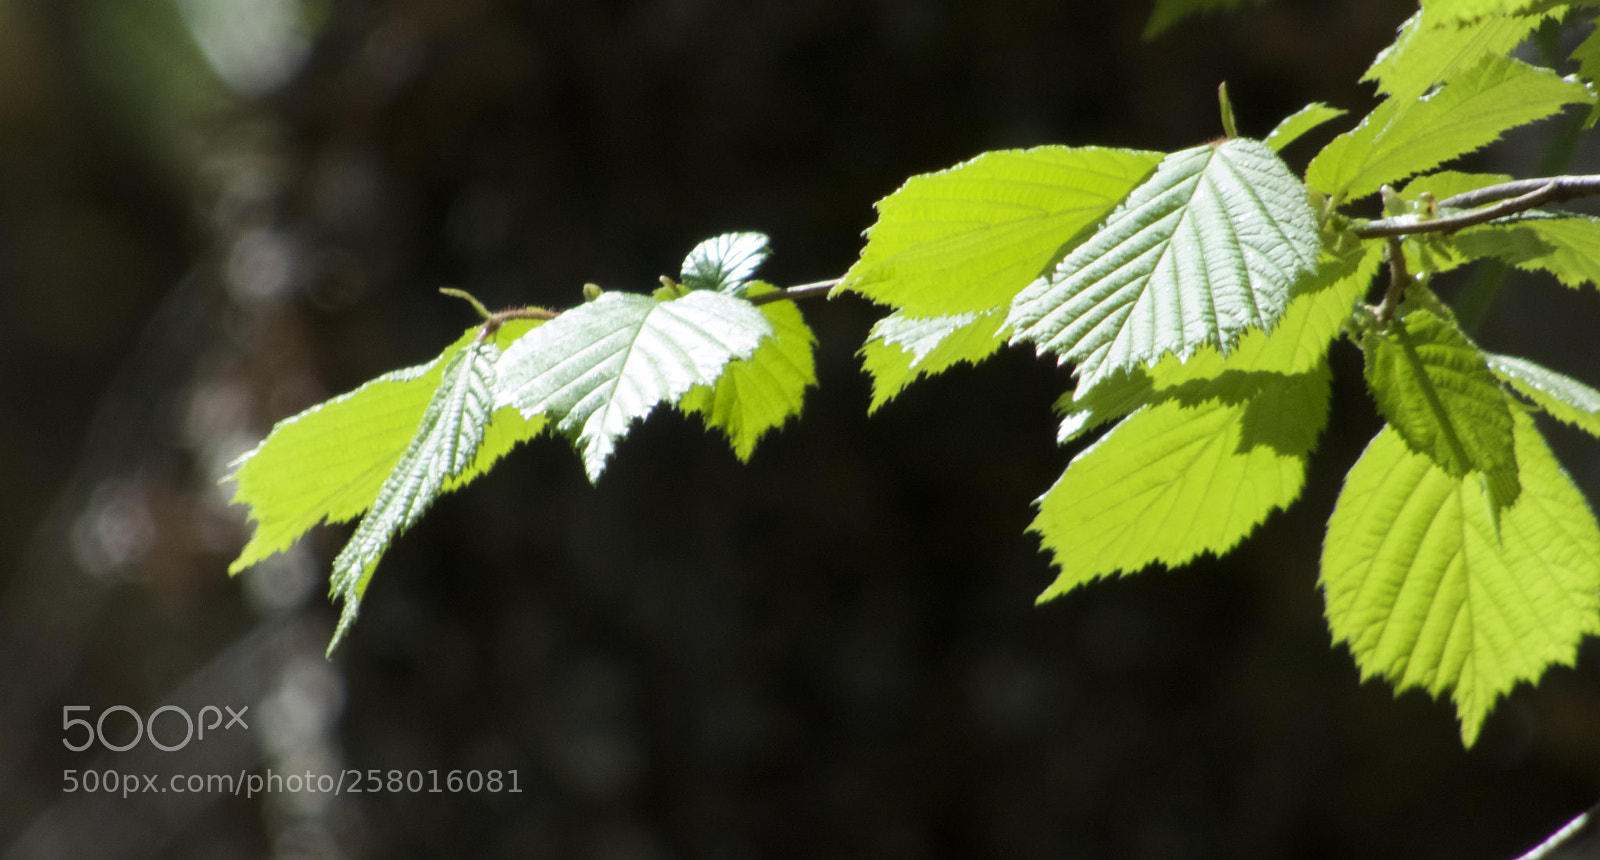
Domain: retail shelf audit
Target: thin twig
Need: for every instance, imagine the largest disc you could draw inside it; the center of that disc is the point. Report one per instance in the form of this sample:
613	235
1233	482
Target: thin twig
798	292
1570	187
1561	837
1541	194
1518	196
495	319
463	294
1512	197
1398	279
527	312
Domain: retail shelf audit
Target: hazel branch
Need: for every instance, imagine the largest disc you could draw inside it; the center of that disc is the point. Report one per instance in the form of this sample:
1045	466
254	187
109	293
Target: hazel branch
796	293
1398	279
1513	197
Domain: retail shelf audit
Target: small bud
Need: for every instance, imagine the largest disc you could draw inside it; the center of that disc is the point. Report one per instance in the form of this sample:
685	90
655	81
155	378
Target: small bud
591	292
670	290
1392	203
1230	128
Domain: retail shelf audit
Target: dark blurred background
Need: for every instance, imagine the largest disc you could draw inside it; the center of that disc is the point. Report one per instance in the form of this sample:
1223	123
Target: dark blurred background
215	213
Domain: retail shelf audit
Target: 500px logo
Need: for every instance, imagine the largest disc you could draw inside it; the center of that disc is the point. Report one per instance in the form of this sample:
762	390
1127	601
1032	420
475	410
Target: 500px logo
142	727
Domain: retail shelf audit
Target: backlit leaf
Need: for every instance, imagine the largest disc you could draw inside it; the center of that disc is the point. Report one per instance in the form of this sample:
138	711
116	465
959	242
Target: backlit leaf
1565	398
1565	245
1434	47
1447	12
1434	388
328	463
1299	344
1428	590
1300	122
1211	447
966	239
605	364
760	393
1448	183
1587	55
725	263
1400	137
902	348
1190	474
444	446
1206	249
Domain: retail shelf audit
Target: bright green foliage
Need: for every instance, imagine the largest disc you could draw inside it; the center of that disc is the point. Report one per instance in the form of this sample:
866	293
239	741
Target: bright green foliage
1213	445
327	463
1567	246
762	392
1428	590
900	349
1169	12
725	262
1299	345
1565	398
1400	138
600	366
1122	393
1177	479
965	240
1432	49
389	448
445	445
1197	293
1319	306
1435	389
1432	253
1448	183
1444	13
1298	123
1587	55
1207	248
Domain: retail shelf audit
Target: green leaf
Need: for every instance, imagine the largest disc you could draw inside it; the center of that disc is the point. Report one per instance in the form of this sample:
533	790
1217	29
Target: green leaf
1299	344
1300	122
1213	445
1429	591
1435	389
1446	12
1449	183
1319	307
328	463
444	446
966	239
1206	249
1169	12
1432	49
1400	138
725	263
1187	475
600	366
1587	55
902	348
1566	399
1565	245
760	393
1122	393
